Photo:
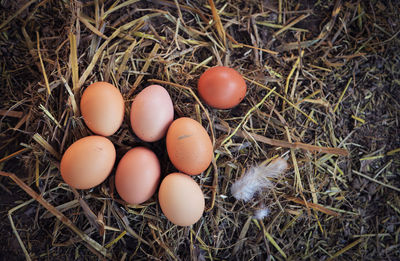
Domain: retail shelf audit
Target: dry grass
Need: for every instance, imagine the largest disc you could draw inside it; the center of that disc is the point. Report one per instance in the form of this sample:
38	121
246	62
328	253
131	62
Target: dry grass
323	89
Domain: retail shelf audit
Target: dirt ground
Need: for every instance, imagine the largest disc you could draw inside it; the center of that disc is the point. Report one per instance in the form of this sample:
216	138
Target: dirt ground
331	70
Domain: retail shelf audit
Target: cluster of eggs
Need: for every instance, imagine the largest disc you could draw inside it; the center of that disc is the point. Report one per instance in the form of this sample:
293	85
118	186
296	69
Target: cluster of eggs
90	160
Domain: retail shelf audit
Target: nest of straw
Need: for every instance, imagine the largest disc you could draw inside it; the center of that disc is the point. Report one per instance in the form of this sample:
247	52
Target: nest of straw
323	88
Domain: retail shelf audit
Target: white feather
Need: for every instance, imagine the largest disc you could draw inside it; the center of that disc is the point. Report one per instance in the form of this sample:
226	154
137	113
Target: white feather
262	213
256	179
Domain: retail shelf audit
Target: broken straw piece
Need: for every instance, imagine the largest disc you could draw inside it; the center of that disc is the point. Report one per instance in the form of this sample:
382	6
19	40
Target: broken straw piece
256	179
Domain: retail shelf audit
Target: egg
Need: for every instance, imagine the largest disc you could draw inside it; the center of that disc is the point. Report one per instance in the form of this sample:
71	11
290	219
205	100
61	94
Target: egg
87	162
138	175
189	147
151	113
222	87
102	108
181	199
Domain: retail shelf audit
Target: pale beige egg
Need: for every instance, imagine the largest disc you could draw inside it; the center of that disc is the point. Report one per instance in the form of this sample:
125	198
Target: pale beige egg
181	199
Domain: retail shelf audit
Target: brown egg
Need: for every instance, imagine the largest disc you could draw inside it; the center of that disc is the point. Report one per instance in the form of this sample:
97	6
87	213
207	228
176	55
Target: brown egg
181	199
189	146
151	113
88	162
138	175
102	108
222	87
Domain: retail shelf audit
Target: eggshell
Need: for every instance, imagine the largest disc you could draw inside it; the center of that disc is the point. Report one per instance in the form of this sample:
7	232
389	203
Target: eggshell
102	108
189	146
88	162
222	87
138	175
151	113
181	199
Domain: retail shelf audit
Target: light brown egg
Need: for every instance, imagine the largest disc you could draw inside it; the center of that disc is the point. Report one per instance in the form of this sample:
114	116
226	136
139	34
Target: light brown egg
181	199
88	162
102	108
189	146
151	113
138	175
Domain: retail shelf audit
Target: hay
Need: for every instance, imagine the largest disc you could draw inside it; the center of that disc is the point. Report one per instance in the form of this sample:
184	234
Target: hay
323	88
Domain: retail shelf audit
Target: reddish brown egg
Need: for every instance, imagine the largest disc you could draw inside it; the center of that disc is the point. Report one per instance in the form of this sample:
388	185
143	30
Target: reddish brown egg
189	146
88	162
181	199
102	108
222	87
137	175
